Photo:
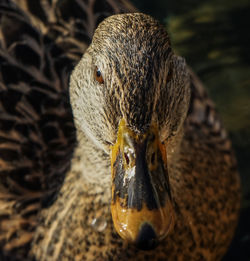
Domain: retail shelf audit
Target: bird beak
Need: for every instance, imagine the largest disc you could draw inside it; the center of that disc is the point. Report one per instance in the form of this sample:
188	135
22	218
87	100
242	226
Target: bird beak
141	204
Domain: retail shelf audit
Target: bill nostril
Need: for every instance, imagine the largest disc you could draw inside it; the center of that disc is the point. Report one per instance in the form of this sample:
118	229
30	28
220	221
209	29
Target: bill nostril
147	239
126	158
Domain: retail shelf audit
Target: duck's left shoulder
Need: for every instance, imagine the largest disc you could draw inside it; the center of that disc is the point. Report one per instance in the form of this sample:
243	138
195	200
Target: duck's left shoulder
207	149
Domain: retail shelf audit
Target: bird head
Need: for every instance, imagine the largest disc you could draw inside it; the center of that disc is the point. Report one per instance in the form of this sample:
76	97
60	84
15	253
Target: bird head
130	95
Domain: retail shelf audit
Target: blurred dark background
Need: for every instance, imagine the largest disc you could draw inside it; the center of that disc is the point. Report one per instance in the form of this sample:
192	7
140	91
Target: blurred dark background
214	37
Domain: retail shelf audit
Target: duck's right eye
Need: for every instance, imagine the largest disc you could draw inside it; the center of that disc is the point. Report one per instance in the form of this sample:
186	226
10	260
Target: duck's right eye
98	75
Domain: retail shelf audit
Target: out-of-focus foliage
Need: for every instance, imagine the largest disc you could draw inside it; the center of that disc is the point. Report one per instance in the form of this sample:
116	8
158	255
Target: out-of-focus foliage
214	37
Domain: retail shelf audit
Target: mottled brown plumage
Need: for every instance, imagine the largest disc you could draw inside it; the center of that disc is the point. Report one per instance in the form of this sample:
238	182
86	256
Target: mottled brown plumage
50	210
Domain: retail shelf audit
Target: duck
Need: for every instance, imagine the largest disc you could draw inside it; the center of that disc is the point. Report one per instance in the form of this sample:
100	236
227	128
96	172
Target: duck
110	149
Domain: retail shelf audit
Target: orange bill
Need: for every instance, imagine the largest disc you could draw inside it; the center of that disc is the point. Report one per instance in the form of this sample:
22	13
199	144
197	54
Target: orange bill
141	204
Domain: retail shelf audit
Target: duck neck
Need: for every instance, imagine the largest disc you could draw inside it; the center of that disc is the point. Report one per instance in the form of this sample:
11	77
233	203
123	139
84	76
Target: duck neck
92	165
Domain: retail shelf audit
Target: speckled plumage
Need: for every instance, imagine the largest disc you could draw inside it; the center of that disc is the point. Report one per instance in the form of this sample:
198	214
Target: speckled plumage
51	212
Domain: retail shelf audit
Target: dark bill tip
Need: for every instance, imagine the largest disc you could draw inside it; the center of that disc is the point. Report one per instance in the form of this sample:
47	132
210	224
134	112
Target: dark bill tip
147	239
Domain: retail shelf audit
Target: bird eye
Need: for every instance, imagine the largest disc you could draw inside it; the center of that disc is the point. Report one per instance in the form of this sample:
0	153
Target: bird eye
98	75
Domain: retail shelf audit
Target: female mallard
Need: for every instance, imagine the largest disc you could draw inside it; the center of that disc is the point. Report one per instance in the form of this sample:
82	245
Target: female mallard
140	114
